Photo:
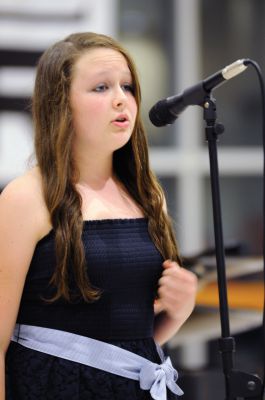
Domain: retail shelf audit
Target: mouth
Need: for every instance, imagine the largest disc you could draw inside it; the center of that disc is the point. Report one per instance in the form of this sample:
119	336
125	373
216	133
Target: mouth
121	121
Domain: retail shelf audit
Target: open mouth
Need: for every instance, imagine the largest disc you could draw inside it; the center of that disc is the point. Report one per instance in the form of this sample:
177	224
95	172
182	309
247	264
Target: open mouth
122	121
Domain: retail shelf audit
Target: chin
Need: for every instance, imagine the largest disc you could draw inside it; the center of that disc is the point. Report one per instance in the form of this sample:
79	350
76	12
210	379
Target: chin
122	142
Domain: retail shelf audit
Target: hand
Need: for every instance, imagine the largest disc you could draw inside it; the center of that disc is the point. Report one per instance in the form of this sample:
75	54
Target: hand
177	291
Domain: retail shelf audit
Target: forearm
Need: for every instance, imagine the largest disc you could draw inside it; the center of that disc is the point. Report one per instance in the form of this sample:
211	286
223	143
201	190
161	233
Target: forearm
165	327
2	376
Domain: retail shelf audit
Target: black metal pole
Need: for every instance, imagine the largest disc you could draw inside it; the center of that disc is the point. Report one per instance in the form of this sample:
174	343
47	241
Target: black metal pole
238	385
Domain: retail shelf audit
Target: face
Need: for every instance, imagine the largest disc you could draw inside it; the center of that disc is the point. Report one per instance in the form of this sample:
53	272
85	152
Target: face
102	101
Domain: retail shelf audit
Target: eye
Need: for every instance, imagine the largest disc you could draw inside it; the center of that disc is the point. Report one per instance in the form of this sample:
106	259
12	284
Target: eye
102	87
128	87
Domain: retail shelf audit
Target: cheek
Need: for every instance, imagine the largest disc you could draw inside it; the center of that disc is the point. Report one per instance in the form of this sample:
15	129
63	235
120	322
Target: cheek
89	117
95	107
85	106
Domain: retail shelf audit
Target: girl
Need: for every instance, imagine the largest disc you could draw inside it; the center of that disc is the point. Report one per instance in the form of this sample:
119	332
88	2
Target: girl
88	254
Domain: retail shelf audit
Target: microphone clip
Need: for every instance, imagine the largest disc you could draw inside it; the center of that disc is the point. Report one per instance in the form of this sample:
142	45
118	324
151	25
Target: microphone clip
213	129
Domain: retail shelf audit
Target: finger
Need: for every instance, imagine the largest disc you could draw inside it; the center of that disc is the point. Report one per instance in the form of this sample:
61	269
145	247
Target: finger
169	264
158	307
178	279
173	271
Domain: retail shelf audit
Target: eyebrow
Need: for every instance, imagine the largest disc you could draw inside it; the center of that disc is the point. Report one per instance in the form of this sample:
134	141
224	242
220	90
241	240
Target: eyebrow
105	72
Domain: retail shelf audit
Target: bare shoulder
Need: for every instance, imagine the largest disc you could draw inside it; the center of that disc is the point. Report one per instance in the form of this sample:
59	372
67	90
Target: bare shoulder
23	190
22	201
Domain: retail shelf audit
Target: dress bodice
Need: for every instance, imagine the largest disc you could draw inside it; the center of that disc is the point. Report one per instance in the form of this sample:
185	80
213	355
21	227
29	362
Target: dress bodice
122	261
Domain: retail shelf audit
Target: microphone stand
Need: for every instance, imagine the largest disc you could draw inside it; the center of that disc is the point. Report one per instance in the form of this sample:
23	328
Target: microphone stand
238	385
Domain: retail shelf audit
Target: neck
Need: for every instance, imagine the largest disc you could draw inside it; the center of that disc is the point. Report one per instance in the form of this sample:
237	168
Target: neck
94	169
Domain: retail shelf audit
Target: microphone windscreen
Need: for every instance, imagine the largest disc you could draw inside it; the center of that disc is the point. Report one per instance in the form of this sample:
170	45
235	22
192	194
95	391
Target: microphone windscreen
160	114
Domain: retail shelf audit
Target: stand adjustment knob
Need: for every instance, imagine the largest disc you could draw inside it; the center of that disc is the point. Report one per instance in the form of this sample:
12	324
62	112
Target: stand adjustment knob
219	128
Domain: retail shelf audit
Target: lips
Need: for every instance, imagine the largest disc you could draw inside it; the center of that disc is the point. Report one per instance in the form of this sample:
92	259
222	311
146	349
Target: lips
121	118
121	121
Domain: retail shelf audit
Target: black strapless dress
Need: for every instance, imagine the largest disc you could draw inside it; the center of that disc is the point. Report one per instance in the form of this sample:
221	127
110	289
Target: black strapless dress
122	261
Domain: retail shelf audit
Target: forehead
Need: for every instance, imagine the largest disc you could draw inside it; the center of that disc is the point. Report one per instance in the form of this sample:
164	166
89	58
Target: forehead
101	60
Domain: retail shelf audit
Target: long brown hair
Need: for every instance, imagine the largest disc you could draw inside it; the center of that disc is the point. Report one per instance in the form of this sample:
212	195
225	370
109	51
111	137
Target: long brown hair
53	147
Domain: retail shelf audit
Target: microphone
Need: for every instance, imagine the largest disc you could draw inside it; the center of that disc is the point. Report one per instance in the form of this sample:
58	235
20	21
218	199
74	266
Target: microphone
165	111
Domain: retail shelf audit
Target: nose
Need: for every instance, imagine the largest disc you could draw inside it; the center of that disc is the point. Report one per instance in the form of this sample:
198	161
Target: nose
119	98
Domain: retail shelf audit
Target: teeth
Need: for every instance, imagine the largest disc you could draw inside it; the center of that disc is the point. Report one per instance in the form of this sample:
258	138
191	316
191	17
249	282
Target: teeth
121	119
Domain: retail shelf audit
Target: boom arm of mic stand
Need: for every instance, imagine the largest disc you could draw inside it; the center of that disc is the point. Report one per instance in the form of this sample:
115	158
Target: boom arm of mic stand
238	384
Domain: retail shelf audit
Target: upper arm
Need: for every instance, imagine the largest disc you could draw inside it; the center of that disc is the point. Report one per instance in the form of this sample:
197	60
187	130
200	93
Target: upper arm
19	233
